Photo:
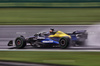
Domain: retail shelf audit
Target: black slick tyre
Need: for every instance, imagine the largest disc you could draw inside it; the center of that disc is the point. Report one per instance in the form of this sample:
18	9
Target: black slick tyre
64	42
20	42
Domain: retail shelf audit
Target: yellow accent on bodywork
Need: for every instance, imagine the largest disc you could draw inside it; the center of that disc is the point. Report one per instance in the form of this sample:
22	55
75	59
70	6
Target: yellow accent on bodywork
60	34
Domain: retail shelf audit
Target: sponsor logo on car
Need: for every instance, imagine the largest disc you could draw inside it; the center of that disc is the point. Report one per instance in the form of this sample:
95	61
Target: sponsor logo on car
47	41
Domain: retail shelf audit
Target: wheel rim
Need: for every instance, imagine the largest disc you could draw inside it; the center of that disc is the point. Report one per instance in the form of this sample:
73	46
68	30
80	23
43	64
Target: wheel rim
18	42
62	42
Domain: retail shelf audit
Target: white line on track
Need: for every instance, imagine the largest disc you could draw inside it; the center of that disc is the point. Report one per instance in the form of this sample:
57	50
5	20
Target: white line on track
45	50
49	25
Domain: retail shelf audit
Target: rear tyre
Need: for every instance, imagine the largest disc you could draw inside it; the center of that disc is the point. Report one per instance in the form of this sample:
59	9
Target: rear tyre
64	42
20	42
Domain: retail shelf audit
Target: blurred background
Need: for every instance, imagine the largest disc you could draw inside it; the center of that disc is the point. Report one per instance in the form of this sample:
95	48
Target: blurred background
49	12
28	12
50	3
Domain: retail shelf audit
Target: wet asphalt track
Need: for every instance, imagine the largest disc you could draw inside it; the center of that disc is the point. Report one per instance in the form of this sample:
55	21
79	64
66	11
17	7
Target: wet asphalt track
11	32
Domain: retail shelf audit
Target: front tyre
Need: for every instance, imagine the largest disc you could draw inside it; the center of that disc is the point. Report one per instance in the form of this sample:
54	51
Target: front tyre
20	42
64	42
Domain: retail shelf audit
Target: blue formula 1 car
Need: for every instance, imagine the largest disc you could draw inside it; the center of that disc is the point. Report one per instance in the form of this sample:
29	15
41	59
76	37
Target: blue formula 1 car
59	38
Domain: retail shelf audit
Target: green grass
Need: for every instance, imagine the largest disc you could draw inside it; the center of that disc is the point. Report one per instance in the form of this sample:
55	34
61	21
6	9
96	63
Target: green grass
64	58
35	16
49	4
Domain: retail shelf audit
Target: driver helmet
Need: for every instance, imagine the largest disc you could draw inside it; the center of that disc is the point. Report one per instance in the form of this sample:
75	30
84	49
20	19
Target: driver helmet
51	30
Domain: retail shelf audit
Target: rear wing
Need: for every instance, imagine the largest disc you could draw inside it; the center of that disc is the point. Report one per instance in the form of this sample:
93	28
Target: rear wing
80	31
